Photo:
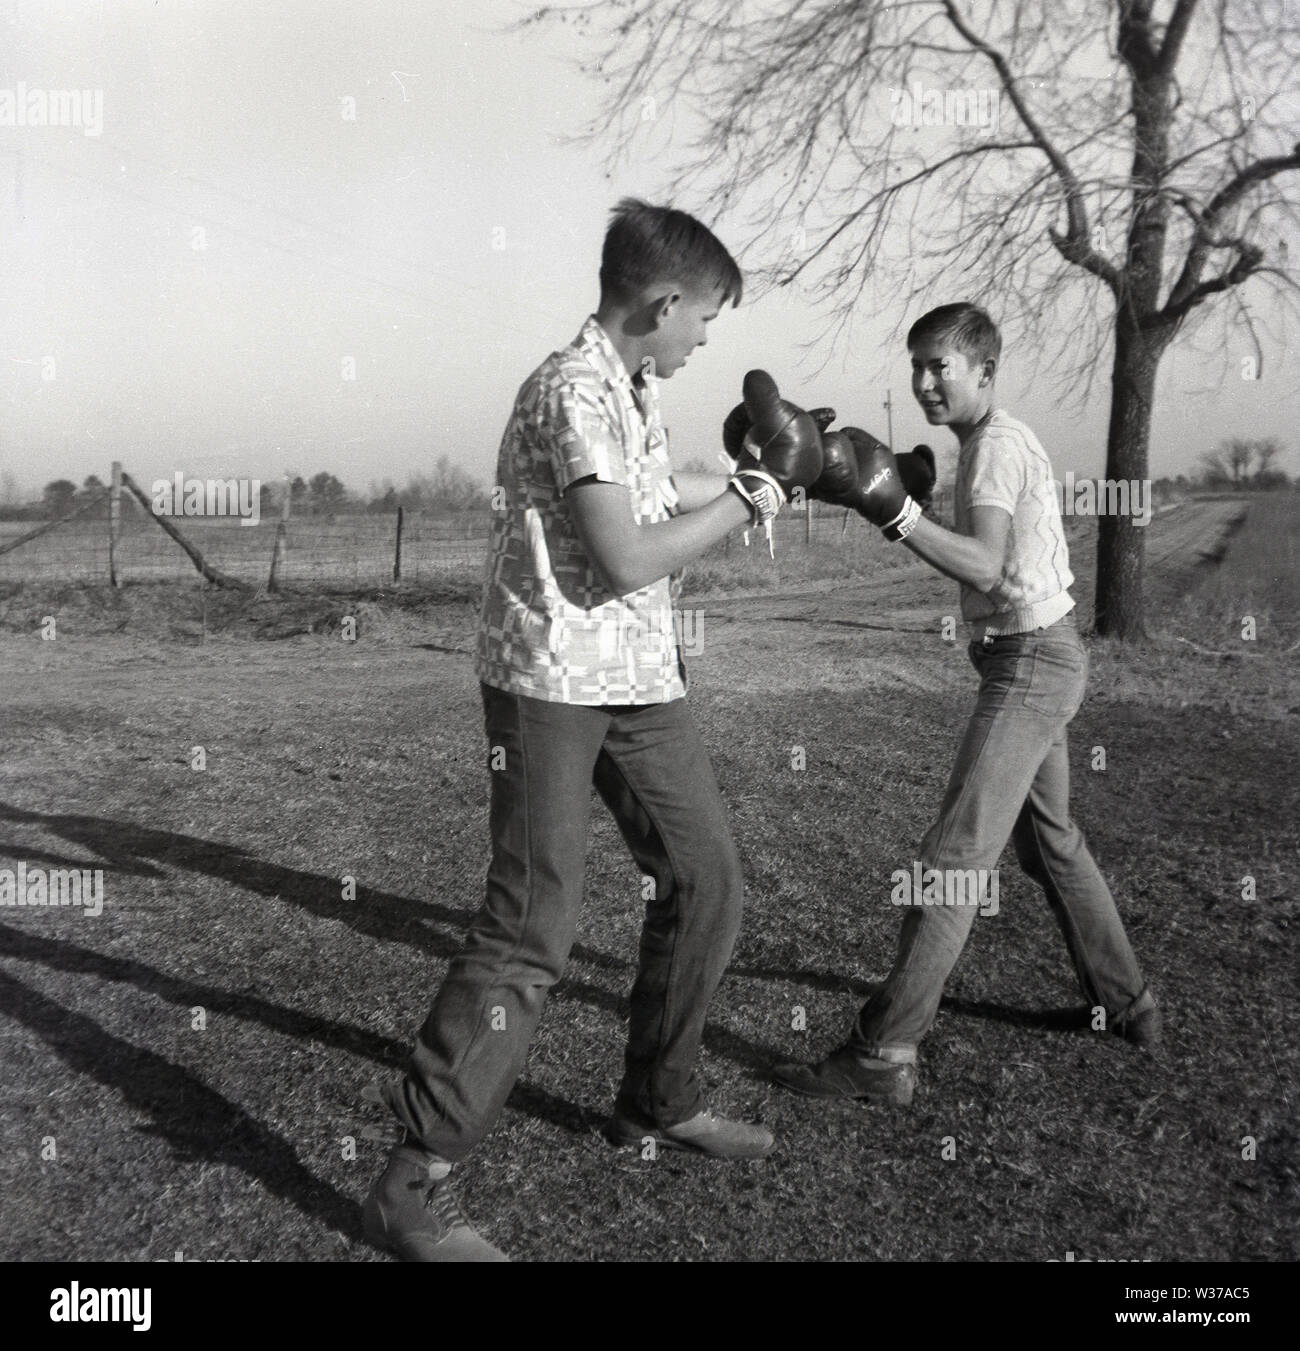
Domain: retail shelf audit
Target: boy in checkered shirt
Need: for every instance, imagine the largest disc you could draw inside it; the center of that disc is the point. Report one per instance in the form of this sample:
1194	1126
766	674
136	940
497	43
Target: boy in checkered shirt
583	684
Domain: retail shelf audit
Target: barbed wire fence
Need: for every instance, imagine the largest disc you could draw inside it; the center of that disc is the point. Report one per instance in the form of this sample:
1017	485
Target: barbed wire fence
116	536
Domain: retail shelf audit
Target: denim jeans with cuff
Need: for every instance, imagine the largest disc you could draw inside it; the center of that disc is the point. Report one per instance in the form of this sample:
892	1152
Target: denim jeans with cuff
1011	781
649	765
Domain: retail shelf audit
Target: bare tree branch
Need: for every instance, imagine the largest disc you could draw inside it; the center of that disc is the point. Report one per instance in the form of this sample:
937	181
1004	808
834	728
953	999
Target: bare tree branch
1075	245
1189	290
1175	35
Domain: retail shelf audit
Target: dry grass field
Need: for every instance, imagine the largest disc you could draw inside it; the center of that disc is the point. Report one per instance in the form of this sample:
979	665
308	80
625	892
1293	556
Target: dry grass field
187	1071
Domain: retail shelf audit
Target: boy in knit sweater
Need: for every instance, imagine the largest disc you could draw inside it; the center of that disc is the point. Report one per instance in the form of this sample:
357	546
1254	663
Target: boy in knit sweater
1011	776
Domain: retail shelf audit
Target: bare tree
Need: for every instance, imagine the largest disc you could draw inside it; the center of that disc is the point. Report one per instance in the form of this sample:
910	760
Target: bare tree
1230	464
1267	474
1093	172
1237	455
451	488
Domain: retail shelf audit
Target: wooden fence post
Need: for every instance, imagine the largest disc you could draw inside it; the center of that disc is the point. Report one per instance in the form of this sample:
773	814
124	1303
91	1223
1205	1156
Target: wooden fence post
114	521
397	548
281	537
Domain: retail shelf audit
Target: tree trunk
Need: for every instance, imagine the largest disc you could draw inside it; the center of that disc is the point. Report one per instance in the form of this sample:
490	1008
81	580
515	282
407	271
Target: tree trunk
1139	340
1119	610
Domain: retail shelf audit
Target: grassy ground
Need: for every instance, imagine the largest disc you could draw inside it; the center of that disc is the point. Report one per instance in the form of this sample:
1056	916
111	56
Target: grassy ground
198	1054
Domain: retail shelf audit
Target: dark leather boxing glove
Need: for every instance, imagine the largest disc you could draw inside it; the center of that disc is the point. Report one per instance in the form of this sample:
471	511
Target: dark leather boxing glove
738	422
781	434
735	426
863	441
915	468
781	447
838	482
881	496
760	490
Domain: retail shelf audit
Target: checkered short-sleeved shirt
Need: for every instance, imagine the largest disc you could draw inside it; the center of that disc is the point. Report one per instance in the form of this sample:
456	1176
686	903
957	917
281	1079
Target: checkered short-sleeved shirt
548	626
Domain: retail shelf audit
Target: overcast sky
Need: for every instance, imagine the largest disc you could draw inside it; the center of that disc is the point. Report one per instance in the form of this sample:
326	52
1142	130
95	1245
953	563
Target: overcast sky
444	240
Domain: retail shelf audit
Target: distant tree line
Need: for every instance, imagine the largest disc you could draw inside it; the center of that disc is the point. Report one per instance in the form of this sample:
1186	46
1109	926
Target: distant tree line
446	490
1241	463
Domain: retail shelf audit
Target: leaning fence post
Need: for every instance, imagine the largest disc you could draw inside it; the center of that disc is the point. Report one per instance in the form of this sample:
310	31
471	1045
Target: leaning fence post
216	577
114	520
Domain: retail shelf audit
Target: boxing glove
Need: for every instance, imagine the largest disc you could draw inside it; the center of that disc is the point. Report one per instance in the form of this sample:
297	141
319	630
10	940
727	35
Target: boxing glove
780	450
838	481
735	426
881	496
916	469
738	422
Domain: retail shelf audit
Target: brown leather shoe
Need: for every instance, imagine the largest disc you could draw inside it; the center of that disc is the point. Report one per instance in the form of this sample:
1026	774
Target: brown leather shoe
704	1133
846	1074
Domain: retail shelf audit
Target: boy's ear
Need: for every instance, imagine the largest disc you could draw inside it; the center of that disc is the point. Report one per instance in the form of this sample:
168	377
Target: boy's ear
668	296
990	370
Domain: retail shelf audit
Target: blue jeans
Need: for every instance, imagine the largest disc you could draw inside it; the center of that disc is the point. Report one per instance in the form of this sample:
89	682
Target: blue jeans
1011	781
651	769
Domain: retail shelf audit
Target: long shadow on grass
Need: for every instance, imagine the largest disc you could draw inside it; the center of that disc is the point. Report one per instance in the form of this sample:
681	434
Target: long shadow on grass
30	854
427	926
133	849
194	1119
58	955
1069	1018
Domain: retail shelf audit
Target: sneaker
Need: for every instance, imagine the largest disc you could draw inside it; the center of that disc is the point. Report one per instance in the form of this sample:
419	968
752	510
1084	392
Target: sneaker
704	1133
412	1211
846	1074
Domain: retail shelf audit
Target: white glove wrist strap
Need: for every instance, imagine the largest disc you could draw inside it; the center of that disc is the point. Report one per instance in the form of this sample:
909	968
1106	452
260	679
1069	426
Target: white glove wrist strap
904	523
763	493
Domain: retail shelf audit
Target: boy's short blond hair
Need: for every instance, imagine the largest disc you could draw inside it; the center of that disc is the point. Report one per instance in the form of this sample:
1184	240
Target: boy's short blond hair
967	327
